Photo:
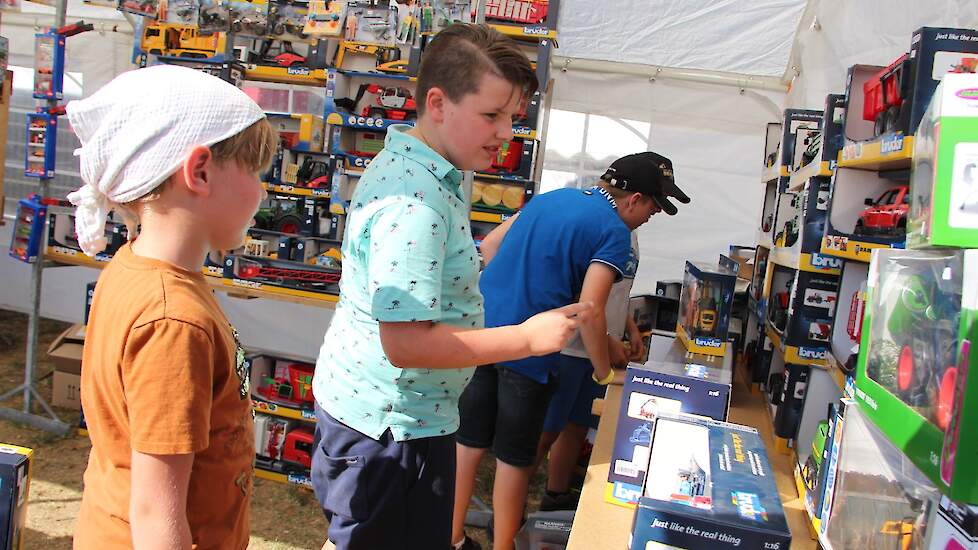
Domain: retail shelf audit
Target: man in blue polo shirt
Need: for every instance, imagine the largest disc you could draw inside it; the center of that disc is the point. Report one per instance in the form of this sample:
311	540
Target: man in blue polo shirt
564	246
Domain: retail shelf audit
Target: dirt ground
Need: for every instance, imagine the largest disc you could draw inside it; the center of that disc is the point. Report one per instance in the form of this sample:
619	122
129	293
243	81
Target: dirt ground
283	517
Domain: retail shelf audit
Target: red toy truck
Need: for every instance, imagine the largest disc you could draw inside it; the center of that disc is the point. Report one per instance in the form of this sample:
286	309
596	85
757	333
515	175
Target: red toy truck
886	215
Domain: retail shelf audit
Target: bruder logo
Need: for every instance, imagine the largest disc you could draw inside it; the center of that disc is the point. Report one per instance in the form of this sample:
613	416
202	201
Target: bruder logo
811	353
968	93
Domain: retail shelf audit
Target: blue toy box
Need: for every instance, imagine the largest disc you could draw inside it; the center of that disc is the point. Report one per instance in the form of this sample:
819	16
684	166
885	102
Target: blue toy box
710	486
678	383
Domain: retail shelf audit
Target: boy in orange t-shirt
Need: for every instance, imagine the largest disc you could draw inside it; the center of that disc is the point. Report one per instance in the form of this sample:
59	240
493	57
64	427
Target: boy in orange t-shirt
164	386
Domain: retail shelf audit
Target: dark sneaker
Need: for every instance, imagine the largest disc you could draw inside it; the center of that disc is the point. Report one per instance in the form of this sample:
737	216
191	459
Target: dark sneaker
469	544
552	502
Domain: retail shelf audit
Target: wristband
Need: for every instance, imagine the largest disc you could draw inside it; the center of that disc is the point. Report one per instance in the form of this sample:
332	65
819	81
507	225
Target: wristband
607	380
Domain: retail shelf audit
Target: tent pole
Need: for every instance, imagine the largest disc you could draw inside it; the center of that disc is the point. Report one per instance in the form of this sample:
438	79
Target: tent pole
738	80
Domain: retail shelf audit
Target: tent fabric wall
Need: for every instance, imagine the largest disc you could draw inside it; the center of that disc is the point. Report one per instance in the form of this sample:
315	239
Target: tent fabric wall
725	35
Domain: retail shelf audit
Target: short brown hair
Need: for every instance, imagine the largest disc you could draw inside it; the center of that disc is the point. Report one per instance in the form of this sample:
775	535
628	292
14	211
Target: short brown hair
461	53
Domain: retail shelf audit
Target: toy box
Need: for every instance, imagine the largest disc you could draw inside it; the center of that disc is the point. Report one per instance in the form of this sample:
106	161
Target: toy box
15	484
849	310
944	182
283	446
912	377
697	385
62	239
896	96
800	223
28	233
799	310
42	143
877	498
670	288
761	254
296	263
710	486
282	385
796	126
704	306
49	65
545	531
955	527
863	213
653	315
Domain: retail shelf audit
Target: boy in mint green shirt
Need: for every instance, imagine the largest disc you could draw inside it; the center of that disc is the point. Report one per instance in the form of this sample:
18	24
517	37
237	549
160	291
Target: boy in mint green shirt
409	324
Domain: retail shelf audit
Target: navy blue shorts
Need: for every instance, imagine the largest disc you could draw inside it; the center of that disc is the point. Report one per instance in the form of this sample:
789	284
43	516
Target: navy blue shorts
386	494
503	409
574	396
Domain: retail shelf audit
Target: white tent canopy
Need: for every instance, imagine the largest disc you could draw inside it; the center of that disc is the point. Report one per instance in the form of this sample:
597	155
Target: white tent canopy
695	80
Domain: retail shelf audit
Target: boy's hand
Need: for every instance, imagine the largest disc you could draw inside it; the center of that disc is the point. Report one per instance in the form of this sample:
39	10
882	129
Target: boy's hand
549	332
617	354
637	347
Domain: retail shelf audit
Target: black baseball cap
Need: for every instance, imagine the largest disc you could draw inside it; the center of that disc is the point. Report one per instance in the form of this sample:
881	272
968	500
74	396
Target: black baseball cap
647	173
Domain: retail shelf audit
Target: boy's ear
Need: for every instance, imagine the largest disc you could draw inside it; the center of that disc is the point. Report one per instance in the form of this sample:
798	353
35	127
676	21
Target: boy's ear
196	170
435	103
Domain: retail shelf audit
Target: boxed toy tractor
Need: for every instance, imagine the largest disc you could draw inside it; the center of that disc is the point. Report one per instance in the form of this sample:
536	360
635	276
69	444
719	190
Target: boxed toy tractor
944	181
699	384
15	483
704	306
712	487
912	377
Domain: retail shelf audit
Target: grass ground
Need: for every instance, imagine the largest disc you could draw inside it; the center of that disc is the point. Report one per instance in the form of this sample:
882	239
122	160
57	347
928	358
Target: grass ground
283	517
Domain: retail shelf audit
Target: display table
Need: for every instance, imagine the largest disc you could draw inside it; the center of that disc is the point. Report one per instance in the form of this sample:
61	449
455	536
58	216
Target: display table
599	524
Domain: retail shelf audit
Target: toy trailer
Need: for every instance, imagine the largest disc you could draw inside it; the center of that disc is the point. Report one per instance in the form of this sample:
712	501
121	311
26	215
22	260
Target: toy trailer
885	93
530	12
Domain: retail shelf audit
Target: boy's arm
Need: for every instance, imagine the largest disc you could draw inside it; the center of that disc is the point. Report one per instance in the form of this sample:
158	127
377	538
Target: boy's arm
432	345
637	346
594	329
158	501
490	243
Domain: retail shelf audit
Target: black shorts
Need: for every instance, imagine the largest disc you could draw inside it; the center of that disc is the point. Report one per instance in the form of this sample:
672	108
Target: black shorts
503	409
394	495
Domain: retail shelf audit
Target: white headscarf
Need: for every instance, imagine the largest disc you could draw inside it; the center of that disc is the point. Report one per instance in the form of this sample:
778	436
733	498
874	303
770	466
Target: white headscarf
137	130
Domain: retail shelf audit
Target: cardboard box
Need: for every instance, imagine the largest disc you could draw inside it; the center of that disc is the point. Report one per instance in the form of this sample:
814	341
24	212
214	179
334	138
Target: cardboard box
710	486
15	483
679	383
66	354
66	350
66	390
943	196
913	378
744	256
704	306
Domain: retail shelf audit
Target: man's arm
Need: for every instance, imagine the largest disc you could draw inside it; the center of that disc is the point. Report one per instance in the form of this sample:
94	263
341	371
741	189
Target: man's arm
430	345
158	501
490	243
594	329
